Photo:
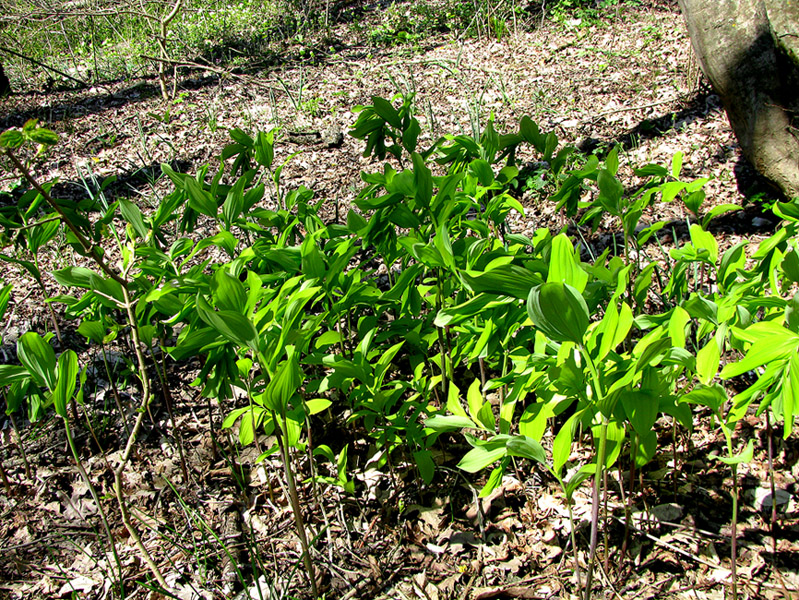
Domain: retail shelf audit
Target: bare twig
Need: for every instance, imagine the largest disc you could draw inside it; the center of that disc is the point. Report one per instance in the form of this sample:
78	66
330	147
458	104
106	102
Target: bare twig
633	108
41	64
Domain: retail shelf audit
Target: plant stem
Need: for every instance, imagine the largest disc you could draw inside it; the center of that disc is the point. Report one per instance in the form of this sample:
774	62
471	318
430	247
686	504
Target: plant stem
125	457
674	458
88	247
94	252
168	401
49	305
295	507
115	391
770	434
22	452
96	498
600	469
441	345
734	532
598	473
4	477
734	524
573	536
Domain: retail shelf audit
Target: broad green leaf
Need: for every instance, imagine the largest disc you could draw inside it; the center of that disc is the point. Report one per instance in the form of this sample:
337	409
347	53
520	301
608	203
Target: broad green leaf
285	383
264	148
43	136
482	171
787	210
533	421
564	264
131	213
454	401
474	399
462	312
711	396
93	330
232	325
199	199
717	210
646	448
402	216
643	283
10	374
313	264
615	330
11	139
355	222
248	424
745	456
327	339
772	342
790	395
228	292
559	311
504	280
234	201
677	323
38	357
562	445
610	191
66	381
700	307
410	136
242	138
577	479
641	409
493	480
614	440
424	462
485	417
670	189
317	405
526	447
612	161
386	111
676	165
703	240
480	457
707	361
531	134
444	246
790	265
449	422
423	179
345	367
233	416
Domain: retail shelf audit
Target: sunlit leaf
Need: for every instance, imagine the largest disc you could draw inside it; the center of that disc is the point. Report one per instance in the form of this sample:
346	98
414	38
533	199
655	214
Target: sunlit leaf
559	311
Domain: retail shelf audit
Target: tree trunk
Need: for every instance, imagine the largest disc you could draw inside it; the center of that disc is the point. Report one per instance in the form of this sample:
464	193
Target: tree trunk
748	50
5	84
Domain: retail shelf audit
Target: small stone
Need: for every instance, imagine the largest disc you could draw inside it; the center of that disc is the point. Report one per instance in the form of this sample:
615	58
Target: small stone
760	223
764	499
333	137
667	513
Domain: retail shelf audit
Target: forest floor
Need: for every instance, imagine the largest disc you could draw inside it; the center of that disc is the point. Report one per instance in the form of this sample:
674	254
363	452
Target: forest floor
628	78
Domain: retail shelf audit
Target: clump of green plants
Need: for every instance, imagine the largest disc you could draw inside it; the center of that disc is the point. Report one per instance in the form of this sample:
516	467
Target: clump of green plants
422	315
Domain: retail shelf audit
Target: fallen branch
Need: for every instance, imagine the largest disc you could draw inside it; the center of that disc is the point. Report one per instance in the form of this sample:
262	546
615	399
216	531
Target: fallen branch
696	558
41	64
633	108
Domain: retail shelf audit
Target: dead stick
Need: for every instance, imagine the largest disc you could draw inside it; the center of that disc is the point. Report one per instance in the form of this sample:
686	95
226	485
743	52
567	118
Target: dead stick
41	64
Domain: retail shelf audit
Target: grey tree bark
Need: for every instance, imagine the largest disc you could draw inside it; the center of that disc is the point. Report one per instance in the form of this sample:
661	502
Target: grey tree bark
749	50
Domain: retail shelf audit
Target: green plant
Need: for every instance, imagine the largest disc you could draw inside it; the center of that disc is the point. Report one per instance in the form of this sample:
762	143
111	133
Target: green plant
423	314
